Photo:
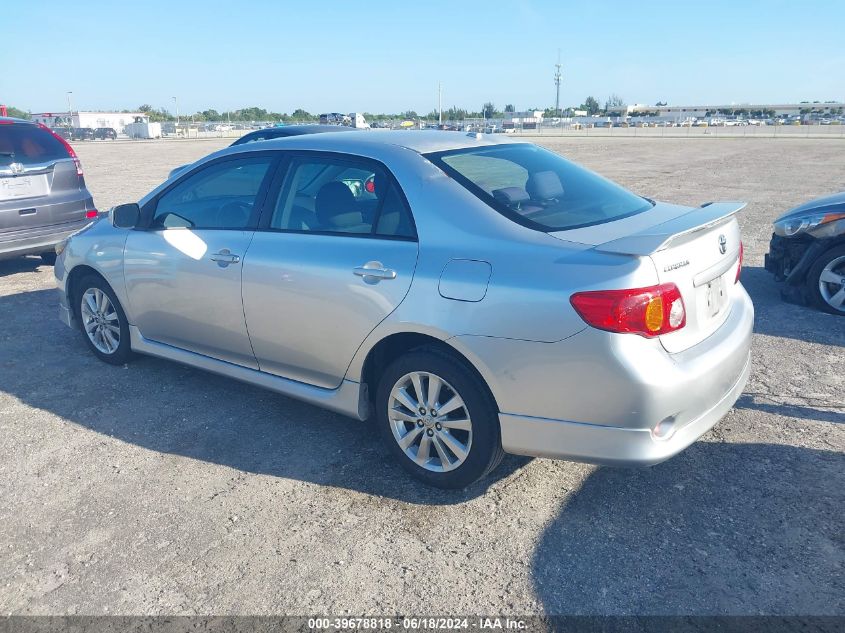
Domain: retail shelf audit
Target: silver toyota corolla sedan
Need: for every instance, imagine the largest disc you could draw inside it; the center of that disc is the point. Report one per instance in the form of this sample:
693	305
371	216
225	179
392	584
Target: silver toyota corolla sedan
474	295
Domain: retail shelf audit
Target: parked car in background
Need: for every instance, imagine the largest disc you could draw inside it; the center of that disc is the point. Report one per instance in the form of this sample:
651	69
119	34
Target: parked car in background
278	132
43	197
63	132
288	130
807	253
82	134
473	295
104	133
335	118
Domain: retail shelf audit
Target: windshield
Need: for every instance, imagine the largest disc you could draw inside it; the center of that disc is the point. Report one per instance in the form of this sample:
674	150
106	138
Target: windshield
538	188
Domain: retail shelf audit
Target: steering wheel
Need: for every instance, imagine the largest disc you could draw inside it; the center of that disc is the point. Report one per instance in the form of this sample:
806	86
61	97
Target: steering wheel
234	215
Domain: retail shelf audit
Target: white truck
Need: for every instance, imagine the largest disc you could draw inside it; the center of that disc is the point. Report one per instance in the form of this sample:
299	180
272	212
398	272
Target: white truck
143	128
358	121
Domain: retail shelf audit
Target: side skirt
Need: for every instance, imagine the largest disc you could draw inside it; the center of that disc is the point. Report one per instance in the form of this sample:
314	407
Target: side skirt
347	399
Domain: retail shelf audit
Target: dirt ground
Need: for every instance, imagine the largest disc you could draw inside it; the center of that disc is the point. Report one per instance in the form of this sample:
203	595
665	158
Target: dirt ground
158	489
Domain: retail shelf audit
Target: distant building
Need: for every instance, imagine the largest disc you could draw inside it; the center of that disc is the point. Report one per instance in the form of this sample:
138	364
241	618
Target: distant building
528	120
531	115
116	120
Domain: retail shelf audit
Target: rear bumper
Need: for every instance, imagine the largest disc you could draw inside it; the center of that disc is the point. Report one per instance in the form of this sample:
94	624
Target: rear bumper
609	445
37	240
597	397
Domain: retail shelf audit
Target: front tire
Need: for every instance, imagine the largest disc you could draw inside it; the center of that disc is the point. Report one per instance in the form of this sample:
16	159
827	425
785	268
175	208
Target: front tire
102	321
826	281
438	419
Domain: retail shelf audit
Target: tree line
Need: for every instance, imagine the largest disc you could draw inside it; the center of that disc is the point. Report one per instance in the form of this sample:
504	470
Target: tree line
614	105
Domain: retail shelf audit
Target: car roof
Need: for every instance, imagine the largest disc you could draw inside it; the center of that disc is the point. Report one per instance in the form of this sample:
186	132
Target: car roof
420	141
11	119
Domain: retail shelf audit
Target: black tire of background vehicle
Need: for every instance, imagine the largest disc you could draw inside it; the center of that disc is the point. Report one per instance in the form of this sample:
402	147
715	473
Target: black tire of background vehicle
813	279
49	258
123	353
486	450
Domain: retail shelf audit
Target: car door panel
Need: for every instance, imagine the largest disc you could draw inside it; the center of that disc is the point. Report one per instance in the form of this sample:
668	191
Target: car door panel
183	272
181	296
306	309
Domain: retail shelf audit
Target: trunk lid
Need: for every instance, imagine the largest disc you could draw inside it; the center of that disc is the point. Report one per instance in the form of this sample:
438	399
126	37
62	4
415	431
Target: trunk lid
696	249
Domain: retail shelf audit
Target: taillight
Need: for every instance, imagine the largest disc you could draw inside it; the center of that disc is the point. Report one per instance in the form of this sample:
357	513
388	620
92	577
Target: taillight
648	311
739	265
67	146
91	213
370	185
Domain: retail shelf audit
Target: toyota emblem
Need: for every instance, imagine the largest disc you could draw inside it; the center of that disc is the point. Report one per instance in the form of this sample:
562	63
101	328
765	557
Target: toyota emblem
723	244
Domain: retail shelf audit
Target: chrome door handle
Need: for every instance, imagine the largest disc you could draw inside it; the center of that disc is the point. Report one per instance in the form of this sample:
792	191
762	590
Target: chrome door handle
373	272
225	257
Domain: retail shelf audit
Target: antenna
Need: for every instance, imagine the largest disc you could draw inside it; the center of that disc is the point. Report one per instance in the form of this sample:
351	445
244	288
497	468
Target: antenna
557	84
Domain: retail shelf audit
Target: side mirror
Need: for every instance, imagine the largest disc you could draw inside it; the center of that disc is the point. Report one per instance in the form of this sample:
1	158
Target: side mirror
126	216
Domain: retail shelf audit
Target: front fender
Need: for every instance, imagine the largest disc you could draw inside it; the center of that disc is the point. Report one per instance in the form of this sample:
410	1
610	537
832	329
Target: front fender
99	247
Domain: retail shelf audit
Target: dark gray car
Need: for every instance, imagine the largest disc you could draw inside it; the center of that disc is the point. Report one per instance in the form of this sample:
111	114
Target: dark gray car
43	197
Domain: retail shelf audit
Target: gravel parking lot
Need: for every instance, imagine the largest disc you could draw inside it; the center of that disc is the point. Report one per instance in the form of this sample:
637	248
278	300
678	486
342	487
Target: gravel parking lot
158	489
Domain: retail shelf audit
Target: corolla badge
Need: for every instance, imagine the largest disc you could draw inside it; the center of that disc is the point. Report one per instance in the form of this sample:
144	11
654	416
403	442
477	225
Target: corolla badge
676	266
723	244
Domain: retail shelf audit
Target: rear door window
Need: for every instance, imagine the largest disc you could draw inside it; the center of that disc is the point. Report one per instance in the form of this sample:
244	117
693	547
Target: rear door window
341	195
29	145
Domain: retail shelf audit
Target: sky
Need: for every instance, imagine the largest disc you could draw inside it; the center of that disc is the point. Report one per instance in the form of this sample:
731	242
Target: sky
379	56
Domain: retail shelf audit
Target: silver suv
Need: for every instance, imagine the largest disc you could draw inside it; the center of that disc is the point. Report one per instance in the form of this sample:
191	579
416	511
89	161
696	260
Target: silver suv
43	197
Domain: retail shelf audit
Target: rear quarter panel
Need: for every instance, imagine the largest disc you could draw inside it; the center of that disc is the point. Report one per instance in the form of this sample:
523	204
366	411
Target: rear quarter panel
532	273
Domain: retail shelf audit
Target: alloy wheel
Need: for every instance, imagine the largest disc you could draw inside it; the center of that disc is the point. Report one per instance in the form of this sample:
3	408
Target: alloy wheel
430	421
832	284
100	320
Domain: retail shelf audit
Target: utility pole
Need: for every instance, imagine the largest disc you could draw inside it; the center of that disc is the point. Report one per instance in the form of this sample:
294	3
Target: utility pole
177	115
557	84
440	103
69	110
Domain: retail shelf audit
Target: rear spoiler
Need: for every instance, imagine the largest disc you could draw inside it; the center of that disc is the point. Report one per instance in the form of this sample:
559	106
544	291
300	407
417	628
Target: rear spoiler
660	236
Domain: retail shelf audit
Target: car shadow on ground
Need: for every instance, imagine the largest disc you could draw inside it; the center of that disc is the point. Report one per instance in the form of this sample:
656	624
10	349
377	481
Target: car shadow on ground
775	317
720	529
21	265
746	401
170	408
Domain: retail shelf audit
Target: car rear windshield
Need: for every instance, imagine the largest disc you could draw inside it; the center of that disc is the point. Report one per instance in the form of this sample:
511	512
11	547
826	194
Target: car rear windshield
538	188
28	144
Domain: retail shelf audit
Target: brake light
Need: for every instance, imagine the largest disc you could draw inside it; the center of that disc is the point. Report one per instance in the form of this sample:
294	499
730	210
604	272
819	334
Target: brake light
91	213
739	265
648	311
370	186
67	147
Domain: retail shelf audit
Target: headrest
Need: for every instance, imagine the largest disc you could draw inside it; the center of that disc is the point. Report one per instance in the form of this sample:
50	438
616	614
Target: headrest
511	195
333	203
544	185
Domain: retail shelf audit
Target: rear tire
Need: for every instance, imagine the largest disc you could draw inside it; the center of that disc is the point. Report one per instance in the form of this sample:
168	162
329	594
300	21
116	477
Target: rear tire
451	448
826	281
102	320
49	258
